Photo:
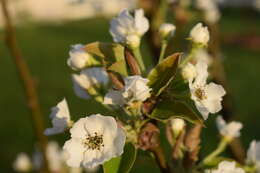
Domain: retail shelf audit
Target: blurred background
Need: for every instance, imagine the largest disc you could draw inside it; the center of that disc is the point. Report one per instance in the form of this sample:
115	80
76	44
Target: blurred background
45	30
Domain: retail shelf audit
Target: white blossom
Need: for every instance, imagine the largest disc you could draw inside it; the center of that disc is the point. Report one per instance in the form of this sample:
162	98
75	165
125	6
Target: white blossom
92	77
60	116
54	156
94	140
167	30
177	125
200	34
202	55
207	97
206	4
212	15
253	155
226	167
229	130
114	97
78	57
22	163
189	72
128	29
135	89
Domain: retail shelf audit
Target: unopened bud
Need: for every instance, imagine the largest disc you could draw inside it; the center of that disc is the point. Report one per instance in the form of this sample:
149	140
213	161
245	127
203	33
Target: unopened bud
200	34
80	59
177	125
189	72
167	30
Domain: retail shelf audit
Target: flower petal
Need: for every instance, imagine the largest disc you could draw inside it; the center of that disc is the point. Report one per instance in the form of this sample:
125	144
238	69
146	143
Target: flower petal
75	150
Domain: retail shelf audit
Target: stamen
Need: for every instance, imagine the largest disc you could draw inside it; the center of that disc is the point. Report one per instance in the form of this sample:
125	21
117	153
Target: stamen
200	93
94	142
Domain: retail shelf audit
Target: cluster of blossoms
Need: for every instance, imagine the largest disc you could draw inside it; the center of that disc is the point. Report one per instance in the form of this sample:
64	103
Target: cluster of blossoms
134	98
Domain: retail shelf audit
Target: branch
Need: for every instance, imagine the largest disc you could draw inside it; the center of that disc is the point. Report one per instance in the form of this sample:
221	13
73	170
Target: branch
192	143
27	82
149	140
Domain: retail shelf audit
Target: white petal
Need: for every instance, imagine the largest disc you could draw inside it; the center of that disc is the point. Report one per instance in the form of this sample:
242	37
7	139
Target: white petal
114	97
214	91
54	156
213	106
75	151
78	129
79	91
60	118
202	73
141	23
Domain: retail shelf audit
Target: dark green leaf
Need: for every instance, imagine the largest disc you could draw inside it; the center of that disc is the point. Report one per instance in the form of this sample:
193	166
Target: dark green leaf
179	109
163	73
122	164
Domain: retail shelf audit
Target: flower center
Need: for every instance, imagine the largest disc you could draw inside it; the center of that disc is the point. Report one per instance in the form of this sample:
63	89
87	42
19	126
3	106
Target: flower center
200	94
94	142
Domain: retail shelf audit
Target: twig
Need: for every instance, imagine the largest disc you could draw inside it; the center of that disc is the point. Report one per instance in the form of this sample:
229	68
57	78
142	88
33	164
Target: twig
27	82
149	140
192	143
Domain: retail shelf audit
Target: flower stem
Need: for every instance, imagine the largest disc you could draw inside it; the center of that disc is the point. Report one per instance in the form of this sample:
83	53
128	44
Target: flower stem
163	49
190	55
138	56
221	147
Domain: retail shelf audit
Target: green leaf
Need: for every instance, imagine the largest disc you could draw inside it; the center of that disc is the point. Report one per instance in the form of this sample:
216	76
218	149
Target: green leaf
179	109
112	55
112	166
163	73
122	164
119	67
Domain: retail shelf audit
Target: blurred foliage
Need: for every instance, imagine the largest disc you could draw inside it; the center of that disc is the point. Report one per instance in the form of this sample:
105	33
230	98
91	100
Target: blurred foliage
45	48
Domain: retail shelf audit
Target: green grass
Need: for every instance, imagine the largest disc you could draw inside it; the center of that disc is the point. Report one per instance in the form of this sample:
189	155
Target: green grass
45	48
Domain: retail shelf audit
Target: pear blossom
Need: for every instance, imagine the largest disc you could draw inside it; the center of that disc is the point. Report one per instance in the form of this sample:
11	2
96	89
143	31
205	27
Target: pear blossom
177	125
229	130
189	72
22	163
114	97
253	155
167	30
212	15
55	156
78	57
92	77
128	29
200	34
135	89
207	97
226	167
95	139
202	55
60	116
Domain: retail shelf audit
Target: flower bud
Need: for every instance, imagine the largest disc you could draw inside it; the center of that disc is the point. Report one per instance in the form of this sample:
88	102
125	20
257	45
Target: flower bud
177	125
229	130
22	163
167	30
189	72
200	34
80	59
